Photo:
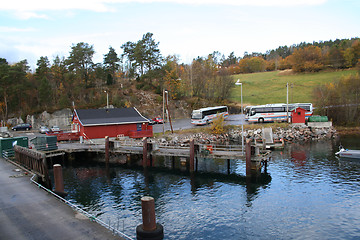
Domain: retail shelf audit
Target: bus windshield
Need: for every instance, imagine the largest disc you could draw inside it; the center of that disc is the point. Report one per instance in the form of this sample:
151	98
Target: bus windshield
196	115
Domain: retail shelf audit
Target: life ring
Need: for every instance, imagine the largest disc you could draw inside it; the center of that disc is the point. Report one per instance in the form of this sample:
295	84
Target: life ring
209	148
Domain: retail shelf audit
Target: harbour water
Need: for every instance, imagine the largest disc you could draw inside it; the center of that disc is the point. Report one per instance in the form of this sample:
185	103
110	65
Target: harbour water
307	193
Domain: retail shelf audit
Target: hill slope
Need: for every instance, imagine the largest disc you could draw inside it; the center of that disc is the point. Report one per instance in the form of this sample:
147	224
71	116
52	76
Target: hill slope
270	87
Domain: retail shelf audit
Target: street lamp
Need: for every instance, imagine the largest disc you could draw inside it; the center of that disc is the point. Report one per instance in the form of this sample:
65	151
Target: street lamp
107	99
237	84
242	125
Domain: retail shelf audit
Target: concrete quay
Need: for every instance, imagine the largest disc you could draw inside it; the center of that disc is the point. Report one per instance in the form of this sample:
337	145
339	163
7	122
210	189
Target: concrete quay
28	212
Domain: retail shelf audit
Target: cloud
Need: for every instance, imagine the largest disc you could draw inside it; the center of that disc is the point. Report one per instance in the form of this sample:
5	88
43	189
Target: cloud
25	9
24	15
106	5
13	29
56	5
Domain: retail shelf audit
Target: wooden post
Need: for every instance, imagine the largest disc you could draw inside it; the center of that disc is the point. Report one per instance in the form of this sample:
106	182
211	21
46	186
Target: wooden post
107	149
248	157
46	180
144	162
59	180
192	155
228	166
150	160
196	150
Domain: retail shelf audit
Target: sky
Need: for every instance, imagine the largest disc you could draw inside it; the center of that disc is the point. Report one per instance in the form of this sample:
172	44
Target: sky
186	28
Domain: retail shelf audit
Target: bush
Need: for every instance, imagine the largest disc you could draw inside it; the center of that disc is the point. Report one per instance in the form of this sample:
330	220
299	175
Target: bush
217	126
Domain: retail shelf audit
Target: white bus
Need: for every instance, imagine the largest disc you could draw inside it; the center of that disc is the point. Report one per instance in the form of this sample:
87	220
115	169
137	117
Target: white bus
275	112
204	116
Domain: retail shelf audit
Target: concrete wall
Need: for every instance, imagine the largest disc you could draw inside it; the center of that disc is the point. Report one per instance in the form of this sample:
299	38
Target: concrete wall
319	124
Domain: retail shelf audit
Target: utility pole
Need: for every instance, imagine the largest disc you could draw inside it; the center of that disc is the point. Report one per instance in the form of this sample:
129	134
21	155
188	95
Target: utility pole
163	111
168	111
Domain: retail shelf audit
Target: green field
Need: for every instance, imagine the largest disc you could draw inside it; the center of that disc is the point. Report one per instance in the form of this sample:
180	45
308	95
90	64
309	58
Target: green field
270	87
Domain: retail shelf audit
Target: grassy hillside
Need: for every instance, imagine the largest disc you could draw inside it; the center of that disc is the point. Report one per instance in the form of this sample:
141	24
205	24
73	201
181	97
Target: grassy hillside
270	87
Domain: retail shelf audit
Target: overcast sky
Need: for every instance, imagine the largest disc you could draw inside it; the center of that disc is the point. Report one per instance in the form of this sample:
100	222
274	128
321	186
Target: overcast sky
187	28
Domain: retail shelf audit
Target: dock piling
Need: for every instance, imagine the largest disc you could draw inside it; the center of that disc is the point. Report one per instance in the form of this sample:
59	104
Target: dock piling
149	229
59	180
107	149
192	155
248	157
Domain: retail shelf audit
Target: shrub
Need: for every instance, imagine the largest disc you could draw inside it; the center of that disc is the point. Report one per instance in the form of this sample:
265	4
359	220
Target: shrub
217	126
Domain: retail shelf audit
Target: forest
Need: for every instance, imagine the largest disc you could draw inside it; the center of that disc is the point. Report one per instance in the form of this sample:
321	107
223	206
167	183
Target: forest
77	80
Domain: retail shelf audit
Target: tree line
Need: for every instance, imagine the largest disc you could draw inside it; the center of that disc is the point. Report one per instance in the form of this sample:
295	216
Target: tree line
77	79
340	101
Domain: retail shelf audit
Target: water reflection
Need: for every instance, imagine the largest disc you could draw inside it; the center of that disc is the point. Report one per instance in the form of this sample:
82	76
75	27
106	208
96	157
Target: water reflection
308	193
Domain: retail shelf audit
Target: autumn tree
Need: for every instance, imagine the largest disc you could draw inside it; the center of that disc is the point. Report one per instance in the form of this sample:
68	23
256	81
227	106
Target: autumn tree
251	65
198	76
307	59
352	54
172	80
334	57
223	84
340	101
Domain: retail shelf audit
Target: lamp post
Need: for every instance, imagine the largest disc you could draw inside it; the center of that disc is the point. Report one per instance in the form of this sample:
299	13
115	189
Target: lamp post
107	99
242	124
237	84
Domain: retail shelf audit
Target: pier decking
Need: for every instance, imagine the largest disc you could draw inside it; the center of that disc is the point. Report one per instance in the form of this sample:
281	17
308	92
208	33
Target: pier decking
27	212
224	152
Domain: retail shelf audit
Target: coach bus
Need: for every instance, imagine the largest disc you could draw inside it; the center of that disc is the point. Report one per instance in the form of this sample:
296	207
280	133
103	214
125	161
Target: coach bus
275	112
204	116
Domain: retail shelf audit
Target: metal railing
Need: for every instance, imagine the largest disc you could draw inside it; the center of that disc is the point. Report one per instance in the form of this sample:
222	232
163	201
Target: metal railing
90	216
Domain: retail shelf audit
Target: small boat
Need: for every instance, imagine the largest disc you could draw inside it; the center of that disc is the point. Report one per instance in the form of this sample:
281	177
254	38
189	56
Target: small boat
346	153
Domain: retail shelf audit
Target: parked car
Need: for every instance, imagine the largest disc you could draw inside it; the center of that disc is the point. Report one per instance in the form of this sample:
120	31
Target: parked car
151	122
44	129
55	129
158	120
22	127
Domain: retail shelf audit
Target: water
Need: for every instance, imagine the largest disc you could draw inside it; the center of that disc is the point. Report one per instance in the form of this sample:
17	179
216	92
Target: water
307	193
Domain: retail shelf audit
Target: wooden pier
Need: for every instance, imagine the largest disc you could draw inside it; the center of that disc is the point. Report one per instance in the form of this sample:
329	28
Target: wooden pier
37	161
258	156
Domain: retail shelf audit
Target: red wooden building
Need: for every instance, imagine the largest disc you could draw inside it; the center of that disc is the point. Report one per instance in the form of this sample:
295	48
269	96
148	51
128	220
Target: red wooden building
112	122
298	115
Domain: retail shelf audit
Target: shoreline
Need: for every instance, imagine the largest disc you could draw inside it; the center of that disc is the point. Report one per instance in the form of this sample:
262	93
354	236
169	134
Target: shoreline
342	131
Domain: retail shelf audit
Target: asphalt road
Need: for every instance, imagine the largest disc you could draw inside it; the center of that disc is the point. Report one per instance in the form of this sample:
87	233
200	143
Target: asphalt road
179	124
28	212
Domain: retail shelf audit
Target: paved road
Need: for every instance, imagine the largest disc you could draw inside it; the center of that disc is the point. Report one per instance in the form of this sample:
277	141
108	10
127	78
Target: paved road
28	212
179	124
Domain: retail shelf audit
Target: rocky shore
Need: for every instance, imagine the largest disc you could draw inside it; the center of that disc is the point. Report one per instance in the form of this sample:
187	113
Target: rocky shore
290	134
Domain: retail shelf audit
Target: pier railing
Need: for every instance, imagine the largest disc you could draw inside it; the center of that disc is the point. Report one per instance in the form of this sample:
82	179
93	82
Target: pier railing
35	161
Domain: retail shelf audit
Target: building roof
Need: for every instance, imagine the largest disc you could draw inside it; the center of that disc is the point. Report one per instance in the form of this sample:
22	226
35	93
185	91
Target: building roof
111	116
